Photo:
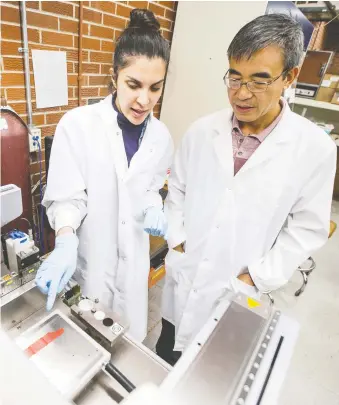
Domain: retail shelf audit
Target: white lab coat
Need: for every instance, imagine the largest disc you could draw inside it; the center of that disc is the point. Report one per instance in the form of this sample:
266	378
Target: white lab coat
89	183
269	217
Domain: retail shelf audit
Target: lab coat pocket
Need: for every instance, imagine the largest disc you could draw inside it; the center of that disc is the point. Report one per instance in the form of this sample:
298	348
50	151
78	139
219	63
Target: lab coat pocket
173	263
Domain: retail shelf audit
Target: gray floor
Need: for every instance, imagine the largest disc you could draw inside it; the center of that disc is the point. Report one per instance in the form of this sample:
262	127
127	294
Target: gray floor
313	377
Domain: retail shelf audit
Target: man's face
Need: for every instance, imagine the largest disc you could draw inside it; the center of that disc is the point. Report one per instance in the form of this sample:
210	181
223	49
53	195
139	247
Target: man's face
263	66
139	87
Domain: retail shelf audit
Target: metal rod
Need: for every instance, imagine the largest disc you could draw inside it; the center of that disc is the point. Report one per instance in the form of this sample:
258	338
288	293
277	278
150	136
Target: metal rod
80	53
26	63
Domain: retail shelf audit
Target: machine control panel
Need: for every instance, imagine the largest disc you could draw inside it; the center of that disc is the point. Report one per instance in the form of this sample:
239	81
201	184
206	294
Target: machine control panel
100	321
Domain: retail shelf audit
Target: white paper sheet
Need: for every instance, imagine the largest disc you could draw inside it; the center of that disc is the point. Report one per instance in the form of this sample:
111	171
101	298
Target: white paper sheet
50	76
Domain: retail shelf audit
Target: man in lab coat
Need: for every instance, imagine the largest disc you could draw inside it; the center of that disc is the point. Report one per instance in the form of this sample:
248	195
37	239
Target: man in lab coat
250	189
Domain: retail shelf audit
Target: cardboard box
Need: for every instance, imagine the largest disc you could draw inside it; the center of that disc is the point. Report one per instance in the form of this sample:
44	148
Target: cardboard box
330	81
325	94
335	99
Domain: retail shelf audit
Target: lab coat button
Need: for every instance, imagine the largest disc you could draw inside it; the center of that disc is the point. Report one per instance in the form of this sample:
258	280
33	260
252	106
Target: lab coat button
195	291
123	222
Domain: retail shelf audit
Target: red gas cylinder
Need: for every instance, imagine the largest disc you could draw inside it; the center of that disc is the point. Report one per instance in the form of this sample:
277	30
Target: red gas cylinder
15	165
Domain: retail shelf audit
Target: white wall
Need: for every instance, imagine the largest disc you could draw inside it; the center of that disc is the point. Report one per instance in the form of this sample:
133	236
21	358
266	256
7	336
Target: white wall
203	31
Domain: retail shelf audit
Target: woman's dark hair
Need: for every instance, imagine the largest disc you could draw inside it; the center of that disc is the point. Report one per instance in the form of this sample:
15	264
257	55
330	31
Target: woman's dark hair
142	37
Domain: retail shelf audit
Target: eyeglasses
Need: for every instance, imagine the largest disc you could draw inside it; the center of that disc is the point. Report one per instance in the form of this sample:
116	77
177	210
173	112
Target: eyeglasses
253	86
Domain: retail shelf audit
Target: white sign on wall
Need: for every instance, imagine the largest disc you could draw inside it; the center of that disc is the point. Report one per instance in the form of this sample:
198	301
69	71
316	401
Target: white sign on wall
50	77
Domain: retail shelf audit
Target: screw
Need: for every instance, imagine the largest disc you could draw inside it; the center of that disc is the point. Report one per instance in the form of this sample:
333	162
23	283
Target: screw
96	300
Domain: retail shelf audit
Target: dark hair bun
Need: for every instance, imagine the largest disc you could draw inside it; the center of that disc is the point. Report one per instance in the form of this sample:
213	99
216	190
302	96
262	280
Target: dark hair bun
143	19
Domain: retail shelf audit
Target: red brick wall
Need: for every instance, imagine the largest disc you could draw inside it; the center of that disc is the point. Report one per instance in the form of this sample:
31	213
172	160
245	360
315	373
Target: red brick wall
54	25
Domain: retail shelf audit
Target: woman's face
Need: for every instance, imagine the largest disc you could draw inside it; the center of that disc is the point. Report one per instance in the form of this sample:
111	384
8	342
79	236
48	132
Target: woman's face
139	87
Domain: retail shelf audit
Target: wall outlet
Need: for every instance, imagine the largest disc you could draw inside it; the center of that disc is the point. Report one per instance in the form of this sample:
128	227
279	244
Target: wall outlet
33	145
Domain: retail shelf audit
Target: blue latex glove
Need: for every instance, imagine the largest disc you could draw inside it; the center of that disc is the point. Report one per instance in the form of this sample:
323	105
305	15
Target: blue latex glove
155	222
58	268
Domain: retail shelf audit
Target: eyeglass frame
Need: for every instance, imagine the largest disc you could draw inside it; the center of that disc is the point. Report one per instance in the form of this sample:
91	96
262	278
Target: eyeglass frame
250	81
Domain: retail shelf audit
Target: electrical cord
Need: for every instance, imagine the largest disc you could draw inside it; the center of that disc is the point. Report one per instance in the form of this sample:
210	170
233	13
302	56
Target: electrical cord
119	377
41	227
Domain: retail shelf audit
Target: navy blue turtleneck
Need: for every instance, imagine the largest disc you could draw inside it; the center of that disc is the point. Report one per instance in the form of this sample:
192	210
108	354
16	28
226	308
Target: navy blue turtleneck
131	133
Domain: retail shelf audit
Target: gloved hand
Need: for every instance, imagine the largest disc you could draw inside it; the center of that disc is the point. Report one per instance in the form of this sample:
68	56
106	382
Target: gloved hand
155	222
58	268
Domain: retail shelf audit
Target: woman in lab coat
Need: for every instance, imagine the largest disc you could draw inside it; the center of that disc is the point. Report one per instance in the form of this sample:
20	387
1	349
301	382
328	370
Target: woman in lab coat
108	162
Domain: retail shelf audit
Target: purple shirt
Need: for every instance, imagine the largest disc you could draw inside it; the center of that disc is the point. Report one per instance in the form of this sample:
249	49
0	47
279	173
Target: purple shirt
130	133
245	146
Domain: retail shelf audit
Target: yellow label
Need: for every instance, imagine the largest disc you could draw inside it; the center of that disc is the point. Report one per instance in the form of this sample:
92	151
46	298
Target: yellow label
6	277
31	270
9	282
252	303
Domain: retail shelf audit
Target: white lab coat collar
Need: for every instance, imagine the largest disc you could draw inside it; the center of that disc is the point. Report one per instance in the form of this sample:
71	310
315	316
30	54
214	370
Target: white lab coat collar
222	140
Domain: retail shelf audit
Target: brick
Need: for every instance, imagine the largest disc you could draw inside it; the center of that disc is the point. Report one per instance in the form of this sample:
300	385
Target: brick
164	23
12	3
19	108
10	14
123	11
33	35
90	92
105	69
103	91
10	48
90	68
69	25
90	43
10	32
97	81
33	4
74	55
169	4
70	92
85	29
38	119
75	41
72	80
35	167
12	79
106	6
13	64
158	10
71	104
58	7
117	34
42	21
16	94
53	118
100	57
55	38
138	4
107	46
70	67
92	16
48	131
168	35
170	15
102	32
112	21
75	67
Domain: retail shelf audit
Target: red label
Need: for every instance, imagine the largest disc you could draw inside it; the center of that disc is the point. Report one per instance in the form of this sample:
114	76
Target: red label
43	342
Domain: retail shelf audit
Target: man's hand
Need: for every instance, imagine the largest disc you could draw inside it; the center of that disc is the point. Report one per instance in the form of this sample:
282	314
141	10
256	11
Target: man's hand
180	248
246	278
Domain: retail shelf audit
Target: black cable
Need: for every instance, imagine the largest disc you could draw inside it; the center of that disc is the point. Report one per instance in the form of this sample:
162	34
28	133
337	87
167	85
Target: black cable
270	369
118	376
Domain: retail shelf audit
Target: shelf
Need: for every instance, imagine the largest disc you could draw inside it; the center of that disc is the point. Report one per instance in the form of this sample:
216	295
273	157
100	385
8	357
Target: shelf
316	104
